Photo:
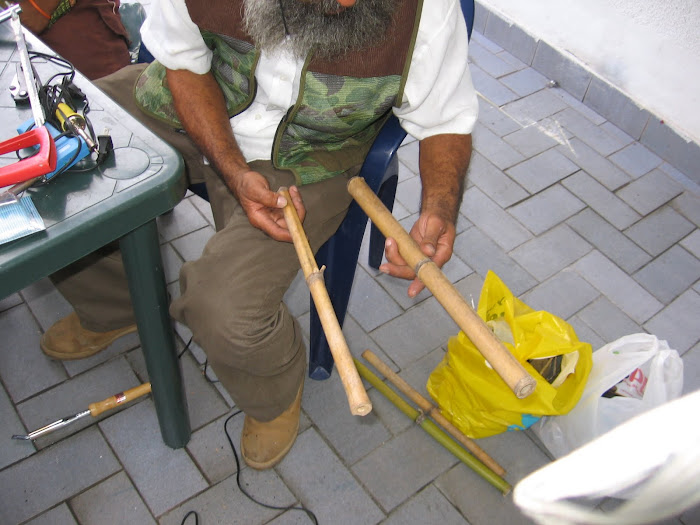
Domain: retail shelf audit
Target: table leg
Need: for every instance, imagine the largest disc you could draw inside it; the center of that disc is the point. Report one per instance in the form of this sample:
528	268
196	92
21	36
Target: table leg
144	268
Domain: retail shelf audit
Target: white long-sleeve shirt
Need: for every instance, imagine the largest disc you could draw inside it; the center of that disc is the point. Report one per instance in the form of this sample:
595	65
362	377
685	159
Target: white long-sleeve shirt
438	96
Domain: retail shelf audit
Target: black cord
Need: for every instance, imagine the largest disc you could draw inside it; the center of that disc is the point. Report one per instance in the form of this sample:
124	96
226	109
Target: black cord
300	508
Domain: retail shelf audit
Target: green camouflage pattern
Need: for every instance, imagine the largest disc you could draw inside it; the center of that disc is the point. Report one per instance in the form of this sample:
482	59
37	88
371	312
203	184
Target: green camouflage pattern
333	124
233	65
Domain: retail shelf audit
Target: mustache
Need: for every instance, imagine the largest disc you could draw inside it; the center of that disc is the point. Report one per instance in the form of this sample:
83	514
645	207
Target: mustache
324	25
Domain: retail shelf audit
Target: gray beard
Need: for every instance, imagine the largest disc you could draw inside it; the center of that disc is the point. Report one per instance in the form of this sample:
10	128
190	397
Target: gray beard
318	24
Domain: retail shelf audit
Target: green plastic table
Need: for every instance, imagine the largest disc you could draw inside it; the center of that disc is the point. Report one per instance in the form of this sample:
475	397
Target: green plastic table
84	211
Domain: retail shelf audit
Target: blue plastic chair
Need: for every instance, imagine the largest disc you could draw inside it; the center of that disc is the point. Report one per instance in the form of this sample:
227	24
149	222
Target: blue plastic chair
340	253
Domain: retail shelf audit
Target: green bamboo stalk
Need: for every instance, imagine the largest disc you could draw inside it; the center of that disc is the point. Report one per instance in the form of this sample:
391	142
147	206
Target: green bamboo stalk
435	432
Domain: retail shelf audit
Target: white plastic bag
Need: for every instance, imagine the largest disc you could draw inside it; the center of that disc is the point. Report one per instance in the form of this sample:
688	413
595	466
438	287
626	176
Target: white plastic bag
652	460
595	415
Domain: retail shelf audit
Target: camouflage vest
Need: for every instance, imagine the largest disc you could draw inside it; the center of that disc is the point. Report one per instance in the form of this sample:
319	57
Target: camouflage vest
342	103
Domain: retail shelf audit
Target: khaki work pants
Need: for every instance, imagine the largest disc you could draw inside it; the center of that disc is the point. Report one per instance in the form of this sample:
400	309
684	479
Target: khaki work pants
231	297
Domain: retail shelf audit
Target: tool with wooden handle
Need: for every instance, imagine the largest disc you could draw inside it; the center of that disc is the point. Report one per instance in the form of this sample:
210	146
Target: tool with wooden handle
497	355
359	402
94	410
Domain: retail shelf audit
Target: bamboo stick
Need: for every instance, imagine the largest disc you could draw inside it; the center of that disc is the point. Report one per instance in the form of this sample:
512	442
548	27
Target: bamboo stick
434	431
430	410
359	402
498	356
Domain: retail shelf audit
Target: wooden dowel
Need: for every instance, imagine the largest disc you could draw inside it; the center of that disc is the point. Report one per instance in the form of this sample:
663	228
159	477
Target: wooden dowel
498	356
430	410
118	399
359	402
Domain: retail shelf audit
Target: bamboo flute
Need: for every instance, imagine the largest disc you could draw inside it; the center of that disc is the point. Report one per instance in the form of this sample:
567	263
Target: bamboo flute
359	402
435	432
430	410
497	355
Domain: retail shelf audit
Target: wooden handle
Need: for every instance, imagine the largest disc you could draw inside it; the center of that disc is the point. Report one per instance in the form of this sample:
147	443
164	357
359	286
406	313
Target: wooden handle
119	399
358	399
501	360
428	409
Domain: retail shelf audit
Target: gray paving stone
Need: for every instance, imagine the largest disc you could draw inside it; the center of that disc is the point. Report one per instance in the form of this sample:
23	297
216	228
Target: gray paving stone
682	179
597	166
44	480
564	69
492	220
668	144
402	466
24	368
224	502
75	395
203	402
371	305
659	231
670	274
112	502
408	194
511	59
496	119
494	148
691	370
543	170
134	435
650	191
533	139
677	323
618	287
417	374
613	244
59	515
488	61
589	113
120	346
428	506
534	107
203	207
211	450
478	34
608	321
546	209
601	200
190	245
10	301
417	332
564	294
408	156
510	37
612	129
525	82
483	254
593	135
171	263
689	206
616	107
545	255
585	333
636	159
47	305
494	183
352	437
692	243
13	450
476	499
490	88
325	485
184	219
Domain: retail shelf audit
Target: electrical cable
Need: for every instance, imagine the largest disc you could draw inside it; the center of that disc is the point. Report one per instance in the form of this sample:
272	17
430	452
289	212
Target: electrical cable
300	508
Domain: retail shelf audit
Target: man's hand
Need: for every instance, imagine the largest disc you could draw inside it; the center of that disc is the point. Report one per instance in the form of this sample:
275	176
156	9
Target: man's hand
434	235
263	206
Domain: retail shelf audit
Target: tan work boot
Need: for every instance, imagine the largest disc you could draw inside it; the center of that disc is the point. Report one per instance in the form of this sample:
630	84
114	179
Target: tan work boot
263	445
67	339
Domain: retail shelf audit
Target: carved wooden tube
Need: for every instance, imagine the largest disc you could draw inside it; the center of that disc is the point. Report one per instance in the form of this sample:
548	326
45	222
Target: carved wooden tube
497	355
358	400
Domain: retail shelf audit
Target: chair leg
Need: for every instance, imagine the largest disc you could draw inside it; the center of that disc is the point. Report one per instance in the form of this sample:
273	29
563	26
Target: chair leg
387	192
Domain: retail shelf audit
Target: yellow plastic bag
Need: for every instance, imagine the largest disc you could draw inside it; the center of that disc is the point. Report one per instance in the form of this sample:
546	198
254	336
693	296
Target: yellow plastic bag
474	397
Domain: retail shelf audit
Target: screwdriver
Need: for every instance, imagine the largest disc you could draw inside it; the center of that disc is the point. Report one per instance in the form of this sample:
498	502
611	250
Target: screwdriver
94	409
75	123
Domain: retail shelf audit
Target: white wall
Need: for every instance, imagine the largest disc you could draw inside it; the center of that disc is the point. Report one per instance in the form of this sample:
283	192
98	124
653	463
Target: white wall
649	49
